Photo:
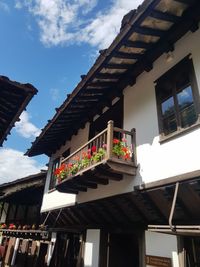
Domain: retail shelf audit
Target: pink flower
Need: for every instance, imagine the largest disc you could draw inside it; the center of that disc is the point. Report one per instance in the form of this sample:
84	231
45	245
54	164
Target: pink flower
104	146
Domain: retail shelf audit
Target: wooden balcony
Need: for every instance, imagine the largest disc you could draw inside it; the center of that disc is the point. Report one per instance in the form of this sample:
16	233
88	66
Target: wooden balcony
107	156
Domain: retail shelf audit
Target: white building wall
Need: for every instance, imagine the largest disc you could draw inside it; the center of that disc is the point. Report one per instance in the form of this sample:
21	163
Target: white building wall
91	255
162	245
180	155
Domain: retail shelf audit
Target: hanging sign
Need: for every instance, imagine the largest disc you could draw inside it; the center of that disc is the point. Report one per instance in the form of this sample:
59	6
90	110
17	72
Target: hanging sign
158	261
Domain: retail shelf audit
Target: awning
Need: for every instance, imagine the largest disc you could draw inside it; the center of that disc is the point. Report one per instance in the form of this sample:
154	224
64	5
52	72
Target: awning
137	209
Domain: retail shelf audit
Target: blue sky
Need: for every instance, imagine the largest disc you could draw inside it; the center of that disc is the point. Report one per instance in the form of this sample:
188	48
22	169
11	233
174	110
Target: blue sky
50	43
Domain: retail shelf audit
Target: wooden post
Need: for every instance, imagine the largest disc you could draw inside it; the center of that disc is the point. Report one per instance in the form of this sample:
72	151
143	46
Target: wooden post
133	144
110	139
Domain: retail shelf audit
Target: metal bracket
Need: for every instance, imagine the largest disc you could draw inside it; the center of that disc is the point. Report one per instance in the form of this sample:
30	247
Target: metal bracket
173	206
57	217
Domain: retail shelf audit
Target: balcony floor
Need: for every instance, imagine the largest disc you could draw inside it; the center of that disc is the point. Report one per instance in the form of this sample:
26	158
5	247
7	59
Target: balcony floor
100	173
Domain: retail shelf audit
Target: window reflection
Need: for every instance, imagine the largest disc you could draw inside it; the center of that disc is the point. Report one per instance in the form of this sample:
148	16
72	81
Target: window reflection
186	107
169	118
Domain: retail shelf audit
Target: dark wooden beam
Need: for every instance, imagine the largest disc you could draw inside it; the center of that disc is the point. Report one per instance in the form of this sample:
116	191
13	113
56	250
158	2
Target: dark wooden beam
164	16
108	75
98	180
187	2
101	84
117	66
92	93
136	209
108	174
127	55
137	44
150	31
86	100
81	180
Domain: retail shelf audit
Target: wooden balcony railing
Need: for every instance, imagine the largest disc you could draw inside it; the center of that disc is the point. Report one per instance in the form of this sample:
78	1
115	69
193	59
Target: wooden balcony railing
113	149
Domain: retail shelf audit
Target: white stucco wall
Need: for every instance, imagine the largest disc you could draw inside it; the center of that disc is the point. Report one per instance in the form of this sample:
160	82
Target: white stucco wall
54	199
162	245
91	255
180	155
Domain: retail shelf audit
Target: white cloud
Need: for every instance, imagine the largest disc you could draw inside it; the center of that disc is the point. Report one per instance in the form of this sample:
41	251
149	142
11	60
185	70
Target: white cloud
25	128
104	28
4	6
65	22
14	165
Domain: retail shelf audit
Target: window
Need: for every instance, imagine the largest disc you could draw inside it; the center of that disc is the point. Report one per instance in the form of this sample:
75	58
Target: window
177	99
53	178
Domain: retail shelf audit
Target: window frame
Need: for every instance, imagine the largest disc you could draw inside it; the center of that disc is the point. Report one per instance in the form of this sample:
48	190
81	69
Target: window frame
52	182
172	74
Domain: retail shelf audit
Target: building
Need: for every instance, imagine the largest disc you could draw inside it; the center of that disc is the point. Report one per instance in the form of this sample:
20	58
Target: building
23	241
14	97
122	187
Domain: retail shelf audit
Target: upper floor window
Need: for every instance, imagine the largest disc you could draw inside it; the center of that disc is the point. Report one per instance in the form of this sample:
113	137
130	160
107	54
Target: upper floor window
177	99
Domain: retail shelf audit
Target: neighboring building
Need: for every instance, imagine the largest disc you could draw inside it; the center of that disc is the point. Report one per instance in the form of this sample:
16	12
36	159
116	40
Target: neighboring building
23	241
128	194
14	97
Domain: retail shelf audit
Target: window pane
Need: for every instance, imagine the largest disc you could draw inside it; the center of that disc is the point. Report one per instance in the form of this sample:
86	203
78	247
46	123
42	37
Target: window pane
168	115
186	107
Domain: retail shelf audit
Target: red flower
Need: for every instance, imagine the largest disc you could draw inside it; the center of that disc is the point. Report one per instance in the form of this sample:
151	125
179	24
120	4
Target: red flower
125	149
62	167
116	141
89	156
127	156
94	149
57	171
70	165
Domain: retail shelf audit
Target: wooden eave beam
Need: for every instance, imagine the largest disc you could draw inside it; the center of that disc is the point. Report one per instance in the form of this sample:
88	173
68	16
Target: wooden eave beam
101	85
150	31
86	100
9	94
137	44
164	16
124	55
187	2
117	66
92	94
108	76
8	103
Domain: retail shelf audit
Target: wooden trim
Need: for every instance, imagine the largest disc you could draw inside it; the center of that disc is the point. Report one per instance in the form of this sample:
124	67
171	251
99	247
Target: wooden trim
103	248
180	132
170	180
110	139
